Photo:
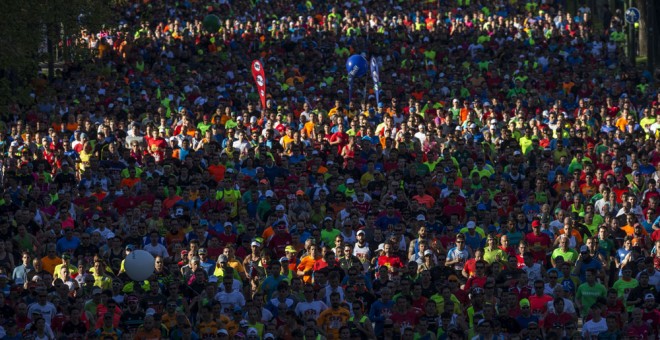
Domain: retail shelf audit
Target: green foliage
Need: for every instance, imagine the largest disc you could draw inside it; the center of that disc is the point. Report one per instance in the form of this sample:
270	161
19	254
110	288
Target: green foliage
27	24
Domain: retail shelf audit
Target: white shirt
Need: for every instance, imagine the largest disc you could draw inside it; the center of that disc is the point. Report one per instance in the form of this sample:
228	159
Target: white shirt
329	290
593	328
362	253
533	273
306	310
105	233
157	250
236	286
569	307
229	301
47	311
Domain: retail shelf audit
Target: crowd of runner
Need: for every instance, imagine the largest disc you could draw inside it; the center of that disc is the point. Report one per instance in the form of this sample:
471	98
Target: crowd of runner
502	184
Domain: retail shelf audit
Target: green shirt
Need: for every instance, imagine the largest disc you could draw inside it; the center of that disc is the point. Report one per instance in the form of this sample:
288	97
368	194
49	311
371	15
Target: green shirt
623	288
587	295
328	237
571	255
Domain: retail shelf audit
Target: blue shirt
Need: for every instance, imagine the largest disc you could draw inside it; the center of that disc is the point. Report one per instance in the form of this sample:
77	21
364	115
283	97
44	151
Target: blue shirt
64	245
376	314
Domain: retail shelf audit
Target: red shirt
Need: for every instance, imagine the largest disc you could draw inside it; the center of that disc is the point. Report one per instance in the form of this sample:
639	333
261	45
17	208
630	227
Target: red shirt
225	239
390	261
344	140
278	243
470	267
407	319
475	281
553	319
542	240
539	304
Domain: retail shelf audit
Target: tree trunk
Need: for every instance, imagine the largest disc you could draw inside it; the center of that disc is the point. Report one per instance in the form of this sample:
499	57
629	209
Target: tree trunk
643	28
51	52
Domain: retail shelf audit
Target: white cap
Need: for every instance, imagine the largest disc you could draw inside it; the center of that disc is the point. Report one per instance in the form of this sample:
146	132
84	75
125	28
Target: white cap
269	193
421	217
517	153
279	207
350	181
471	225
252	332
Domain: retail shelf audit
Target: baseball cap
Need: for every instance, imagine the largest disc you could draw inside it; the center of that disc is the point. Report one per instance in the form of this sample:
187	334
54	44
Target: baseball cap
269	193
536	223
284	259
202	251
133	298
255	244
269	336
427	252
252	332
524	303
471	225
279	207
584	249
300	193
361	232
150	311
421	217
129	247
96	291
222	331
517	153
350	181
290	249
223	258
649	296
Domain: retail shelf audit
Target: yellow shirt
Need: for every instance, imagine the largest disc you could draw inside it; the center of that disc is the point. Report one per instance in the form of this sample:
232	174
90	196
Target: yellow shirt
332	320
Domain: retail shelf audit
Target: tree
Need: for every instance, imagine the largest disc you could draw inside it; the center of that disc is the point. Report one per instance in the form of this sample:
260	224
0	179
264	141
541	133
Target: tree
30	25
643	28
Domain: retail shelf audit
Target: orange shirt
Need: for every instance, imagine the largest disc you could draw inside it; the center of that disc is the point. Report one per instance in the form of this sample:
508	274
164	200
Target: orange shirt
49	264
425	200
630	230
307	264
621	124
129	182
309	128
575	233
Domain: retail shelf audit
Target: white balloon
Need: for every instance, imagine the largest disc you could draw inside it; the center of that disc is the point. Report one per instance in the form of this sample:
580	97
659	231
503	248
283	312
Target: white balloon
139	265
